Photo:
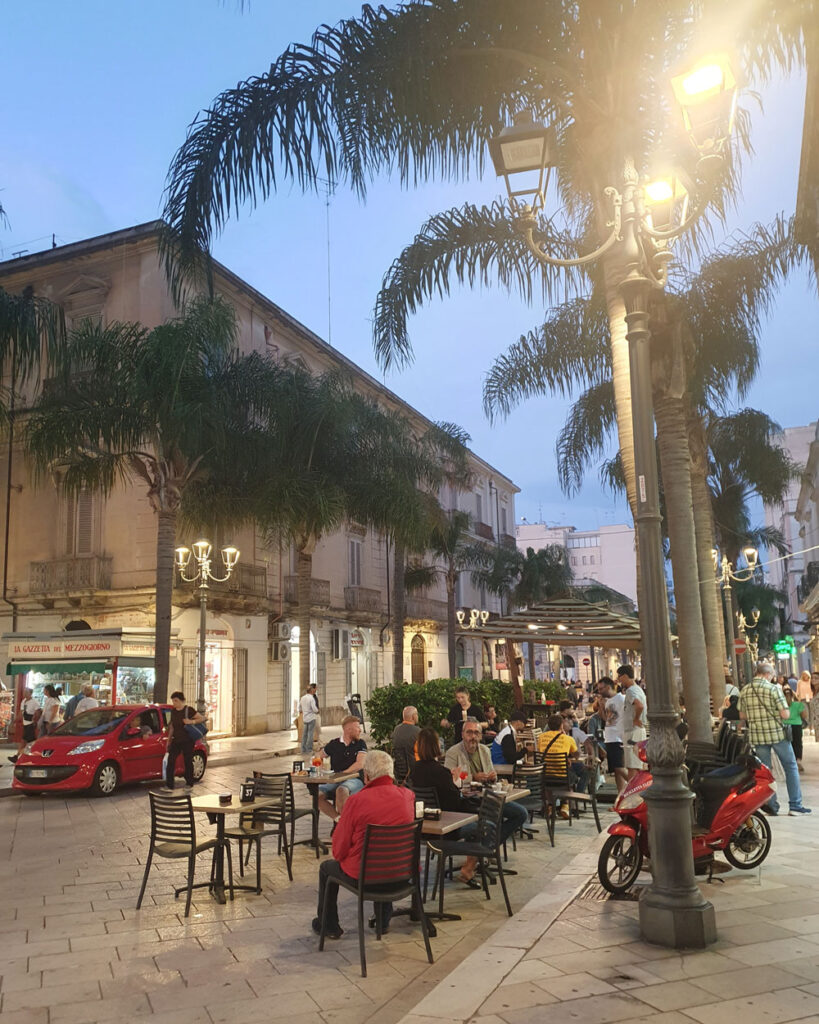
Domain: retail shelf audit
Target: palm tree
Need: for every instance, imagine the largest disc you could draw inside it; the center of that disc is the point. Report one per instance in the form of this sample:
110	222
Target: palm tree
152	406
525	579
451	551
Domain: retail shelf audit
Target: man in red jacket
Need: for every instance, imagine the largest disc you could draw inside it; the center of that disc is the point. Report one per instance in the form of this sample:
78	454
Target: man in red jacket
380	802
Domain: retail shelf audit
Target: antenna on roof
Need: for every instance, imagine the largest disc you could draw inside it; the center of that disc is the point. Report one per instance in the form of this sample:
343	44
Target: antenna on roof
329	191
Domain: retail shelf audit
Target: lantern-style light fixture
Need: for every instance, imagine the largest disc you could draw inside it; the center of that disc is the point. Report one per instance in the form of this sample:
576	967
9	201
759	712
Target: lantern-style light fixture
524	148
707	95
666	199
751	556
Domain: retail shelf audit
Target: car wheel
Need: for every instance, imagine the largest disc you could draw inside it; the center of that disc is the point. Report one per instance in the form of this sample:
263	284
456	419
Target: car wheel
106	779
198	765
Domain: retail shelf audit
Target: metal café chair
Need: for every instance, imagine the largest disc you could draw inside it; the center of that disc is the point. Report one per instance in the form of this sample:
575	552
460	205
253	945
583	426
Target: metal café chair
173	835
388	872
557	785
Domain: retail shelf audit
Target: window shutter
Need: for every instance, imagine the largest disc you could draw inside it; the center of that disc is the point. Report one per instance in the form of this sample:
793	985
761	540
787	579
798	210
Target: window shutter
70	519
85	523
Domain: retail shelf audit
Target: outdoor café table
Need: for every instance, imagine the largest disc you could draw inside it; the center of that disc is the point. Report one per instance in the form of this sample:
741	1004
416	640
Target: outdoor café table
313	782
217	813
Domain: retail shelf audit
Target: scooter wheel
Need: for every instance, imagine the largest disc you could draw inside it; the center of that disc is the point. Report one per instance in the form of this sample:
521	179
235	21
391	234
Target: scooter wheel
619	863
749	845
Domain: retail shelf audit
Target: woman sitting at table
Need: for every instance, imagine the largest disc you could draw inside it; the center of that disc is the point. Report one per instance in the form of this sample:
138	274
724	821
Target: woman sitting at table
429	773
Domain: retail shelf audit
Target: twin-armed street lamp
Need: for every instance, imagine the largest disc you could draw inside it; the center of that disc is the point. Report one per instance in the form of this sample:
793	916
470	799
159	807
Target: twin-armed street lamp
203	575
725	573
644	217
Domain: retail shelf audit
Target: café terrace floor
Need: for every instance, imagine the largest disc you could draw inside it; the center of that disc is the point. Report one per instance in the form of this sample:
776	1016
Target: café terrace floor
73	948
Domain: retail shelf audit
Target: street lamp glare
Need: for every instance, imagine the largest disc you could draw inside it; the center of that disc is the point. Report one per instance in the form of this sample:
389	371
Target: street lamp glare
182	556
659	191
230	556
751	556
202	550
715	557
707	95
706	79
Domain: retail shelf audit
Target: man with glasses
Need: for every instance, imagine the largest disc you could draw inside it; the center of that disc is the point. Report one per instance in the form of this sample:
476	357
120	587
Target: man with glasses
473	757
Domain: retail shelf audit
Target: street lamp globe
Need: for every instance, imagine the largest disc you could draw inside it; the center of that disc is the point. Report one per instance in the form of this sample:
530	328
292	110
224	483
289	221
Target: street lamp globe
707	95
525	149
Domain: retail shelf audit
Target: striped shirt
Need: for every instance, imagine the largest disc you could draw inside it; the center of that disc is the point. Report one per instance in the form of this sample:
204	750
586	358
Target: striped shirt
760	702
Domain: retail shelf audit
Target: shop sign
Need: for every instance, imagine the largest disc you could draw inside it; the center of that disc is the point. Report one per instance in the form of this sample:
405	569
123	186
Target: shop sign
97	648
356	638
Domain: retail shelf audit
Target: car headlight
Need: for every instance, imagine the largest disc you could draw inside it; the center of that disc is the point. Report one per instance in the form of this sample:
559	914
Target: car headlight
87	747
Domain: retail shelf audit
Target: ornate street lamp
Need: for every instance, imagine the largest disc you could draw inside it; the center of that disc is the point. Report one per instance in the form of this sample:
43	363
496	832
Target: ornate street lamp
204	574
725	573
476	617
644	216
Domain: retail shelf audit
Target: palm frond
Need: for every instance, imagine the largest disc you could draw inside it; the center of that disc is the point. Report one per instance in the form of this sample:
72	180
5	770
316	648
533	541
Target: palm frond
584	434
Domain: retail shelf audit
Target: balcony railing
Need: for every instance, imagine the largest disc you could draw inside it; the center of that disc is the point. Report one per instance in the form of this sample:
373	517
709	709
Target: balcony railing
362	599
426	608
245	580
80	572
483	530
319	592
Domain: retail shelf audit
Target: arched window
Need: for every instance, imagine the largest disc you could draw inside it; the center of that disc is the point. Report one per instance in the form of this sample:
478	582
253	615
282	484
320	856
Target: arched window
418	659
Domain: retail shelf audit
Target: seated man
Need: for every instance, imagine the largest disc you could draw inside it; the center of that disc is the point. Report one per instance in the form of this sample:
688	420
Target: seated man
380	802
582	770
506	747
471	756
556	746
404	736
346	755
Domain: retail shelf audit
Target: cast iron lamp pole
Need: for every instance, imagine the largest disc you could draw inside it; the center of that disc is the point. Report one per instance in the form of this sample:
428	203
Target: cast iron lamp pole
644	217
725	573
201	556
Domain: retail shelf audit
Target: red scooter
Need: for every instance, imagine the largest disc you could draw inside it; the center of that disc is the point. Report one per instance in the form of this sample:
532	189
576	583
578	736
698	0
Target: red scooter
726	810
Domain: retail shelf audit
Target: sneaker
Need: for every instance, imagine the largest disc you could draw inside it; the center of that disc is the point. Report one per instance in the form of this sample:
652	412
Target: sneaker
770	810
331	933
799	810
563	812
13	759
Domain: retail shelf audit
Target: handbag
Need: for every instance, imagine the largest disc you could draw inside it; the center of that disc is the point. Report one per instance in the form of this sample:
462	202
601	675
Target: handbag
197	731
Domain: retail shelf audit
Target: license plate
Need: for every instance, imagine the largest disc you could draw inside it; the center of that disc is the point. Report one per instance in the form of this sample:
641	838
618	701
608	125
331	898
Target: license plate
38	773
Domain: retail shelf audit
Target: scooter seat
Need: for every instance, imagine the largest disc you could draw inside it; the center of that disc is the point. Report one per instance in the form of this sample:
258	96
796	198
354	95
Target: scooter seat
721	780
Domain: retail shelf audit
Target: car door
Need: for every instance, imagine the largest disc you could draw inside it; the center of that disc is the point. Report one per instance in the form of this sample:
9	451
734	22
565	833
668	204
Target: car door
142	754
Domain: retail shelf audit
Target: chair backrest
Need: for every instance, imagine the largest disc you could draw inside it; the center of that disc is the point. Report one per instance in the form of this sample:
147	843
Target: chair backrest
271	787
555	768
402	763
490	815
172	819
428	795
531	778
390	854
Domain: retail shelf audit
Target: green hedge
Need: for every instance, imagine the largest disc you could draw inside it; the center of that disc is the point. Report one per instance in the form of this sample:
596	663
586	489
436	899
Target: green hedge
532	690
433	700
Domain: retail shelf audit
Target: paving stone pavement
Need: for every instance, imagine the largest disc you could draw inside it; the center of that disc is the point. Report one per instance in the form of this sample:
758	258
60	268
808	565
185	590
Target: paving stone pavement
73	949
583	961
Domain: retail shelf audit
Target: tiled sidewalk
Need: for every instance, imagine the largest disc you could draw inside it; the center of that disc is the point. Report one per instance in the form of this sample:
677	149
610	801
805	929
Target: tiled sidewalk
582	961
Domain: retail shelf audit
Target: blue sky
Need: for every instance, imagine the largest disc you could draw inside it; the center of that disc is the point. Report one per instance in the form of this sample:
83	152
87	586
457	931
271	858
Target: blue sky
97	100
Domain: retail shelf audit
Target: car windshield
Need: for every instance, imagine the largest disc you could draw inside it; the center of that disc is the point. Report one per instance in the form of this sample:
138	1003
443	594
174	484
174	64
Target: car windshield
97	722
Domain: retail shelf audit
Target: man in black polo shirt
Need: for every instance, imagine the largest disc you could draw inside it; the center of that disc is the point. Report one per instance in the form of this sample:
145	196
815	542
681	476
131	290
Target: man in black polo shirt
346	755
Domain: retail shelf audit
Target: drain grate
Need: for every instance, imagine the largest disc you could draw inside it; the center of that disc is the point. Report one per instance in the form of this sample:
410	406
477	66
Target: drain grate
593	890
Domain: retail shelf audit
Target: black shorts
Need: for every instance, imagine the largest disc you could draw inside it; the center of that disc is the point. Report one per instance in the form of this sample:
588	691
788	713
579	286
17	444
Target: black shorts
614	755
29	732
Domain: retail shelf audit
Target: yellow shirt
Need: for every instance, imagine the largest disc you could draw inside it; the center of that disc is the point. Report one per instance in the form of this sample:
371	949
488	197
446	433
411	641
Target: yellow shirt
563	747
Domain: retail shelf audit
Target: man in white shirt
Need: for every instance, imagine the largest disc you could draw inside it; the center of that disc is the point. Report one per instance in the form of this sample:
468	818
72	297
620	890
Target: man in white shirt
634	718
88	700
309	712
28	716
614	704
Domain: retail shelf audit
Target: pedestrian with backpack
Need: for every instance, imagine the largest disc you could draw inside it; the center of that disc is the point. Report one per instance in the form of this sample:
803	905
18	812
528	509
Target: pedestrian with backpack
180	741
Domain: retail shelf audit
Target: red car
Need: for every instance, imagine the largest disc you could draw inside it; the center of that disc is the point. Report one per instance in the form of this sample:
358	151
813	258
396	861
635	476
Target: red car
100	749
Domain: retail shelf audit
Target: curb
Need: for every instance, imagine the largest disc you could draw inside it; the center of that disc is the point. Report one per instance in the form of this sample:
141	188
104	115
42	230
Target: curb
448	1002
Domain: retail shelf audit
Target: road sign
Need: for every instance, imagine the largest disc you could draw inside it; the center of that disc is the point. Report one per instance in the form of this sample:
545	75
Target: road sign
740	647
587	661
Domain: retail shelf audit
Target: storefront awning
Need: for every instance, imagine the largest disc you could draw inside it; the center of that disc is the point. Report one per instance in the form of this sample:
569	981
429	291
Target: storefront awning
18	668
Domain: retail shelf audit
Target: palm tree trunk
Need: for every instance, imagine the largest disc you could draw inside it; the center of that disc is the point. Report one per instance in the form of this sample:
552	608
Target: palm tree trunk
675	463
450	621
514	674
165	544
710	597
304	579
399	613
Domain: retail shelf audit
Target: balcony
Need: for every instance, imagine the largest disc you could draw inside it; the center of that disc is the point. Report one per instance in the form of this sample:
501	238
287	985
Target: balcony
425	608
245	580
483	530
508	541
319	592
362	599
80	572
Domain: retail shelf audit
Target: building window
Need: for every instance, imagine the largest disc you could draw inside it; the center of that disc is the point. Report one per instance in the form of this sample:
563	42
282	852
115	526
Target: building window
479	507
354	563
79	523
503	521
584	559
574	560
591	559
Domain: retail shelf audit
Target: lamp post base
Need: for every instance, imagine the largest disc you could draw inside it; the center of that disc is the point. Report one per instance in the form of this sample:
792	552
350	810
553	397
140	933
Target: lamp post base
676	927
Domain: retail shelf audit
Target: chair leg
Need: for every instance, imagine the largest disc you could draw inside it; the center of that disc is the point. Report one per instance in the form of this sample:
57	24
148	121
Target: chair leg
145	876
419	906
323	918
230	867
426	875
288	849
361	936
191	867
503	886
594	812
484	877
259	864
243	858
439	882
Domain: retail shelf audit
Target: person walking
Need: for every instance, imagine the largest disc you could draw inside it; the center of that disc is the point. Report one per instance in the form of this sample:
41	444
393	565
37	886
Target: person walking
52	710
309	713
797	717
179	740
762	704
29	713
